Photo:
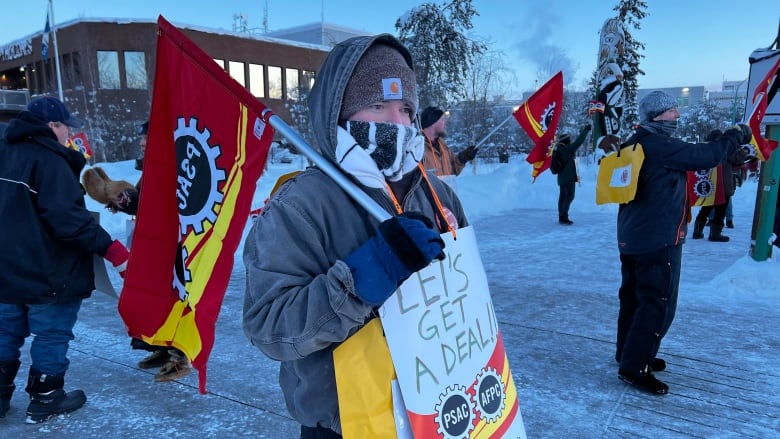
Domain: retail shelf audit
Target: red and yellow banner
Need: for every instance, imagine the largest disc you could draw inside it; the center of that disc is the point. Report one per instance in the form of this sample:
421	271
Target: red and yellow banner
539	117
79	142
764	147
206	149
706	186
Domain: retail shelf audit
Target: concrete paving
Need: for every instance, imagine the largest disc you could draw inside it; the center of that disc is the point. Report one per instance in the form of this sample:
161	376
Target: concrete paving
555	295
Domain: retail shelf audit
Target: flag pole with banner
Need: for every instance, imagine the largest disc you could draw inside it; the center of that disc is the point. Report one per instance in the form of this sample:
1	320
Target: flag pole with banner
207	147
50	15
539	117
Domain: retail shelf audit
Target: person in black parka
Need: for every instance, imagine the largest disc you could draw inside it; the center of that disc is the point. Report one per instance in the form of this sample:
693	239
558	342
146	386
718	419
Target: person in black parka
651	230
48	239
567	176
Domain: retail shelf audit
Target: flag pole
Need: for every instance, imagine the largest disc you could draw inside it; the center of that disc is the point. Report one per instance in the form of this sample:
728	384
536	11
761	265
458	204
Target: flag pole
326	166
56	50
494	130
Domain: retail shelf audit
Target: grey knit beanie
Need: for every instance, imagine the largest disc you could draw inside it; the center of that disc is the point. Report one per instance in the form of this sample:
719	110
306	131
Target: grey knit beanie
382	74
655	104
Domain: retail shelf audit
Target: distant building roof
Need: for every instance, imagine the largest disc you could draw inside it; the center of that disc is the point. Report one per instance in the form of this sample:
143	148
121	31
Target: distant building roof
321	33
270	37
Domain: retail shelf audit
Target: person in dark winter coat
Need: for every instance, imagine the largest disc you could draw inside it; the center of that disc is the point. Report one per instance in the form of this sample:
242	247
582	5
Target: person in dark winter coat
48	241
121	196
651	230
567	176
322	285
717	222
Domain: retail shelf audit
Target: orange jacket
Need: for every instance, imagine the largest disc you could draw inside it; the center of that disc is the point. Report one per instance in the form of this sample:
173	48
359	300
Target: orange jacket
439	158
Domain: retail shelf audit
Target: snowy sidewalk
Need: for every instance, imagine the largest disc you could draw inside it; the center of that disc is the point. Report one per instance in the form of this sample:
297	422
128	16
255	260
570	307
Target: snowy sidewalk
555	293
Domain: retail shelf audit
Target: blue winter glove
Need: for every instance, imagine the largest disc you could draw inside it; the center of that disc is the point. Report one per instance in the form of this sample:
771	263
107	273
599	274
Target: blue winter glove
403	245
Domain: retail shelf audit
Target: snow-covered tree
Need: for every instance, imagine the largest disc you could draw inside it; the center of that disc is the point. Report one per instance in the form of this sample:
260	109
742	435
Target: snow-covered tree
630	13
442	53
696	123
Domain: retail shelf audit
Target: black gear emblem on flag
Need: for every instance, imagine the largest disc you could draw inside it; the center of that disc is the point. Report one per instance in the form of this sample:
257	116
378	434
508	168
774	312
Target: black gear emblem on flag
198	176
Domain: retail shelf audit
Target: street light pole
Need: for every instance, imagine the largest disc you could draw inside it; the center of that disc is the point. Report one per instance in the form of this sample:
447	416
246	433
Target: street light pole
734	103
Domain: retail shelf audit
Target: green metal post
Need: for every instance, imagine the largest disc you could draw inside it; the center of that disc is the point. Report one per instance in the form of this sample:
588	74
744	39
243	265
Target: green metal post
766	202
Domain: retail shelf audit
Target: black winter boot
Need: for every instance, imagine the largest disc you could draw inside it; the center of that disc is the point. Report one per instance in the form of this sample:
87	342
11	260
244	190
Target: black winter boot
8	371
47	399
698	229
716	235
730	224
645	381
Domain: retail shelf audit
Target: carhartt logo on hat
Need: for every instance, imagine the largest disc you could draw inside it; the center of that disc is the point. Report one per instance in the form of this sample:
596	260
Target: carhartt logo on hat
392	88
53	110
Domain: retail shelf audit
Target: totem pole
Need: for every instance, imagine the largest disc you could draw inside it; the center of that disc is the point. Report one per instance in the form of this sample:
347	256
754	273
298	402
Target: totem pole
607	108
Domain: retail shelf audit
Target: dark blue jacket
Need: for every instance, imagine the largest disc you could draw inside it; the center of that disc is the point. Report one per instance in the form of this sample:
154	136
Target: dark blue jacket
659	214
48	236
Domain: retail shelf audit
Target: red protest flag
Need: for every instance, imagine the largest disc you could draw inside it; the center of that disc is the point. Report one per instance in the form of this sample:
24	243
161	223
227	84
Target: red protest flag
80	143
706	186
764	147
539	117
206	148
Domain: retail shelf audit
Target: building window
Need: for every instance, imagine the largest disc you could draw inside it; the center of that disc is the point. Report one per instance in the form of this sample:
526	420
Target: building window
236	70
76	60
38	78
135	70
291	77
67	76
308	79
256	80
220	62
108	69
274	82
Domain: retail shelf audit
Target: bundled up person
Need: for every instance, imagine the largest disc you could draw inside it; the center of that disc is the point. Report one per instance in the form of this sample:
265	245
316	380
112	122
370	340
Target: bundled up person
48	241
439	158
121	196
564	153
719	211
651	231
323	285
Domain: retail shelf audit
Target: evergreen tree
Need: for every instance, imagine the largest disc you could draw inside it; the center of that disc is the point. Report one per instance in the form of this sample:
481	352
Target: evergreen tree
442	53
630	13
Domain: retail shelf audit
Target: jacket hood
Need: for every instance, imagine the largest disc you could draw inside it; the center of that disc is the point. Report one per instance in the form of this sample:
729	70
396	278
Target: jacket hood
27	126
327	93
27	129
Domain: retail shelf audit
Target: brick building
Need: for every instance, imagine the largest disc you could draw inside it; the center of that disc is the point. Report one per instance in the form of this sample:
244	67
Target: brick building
107	69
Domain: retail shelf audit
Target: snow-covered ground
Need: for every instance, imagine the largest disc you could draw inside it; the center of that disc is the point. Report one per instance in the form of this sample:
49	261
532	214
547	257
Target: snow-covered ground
554	289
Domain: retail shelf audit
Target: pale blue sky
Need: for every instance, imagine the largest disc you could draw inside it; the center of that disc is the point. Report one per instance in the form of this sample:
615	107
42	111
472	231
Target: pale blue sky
688	42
